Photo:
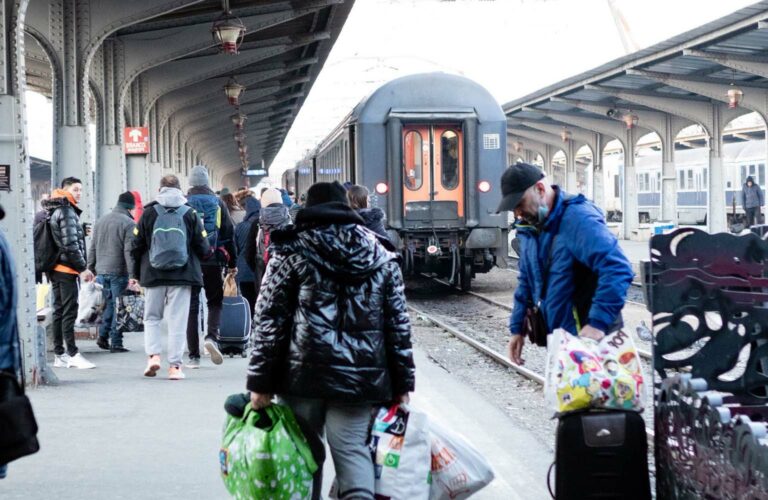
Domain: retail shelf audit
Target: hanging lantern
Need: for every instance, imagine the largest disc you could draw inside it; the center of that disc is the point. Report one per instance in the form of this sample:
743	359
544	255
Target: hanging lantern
228	33
242	148
735	94
238	119
566	135
233	90
518	145
239	136
630	120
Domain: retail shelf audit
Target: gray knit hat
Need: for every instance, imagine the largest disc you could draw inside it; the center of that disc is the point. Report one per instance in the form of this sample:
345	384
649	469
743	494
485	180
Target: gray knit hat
199	176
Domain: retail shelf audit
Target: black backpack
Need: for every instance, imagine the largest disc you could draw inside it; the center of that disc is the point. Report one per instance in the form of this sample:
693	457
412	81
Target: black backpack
46	250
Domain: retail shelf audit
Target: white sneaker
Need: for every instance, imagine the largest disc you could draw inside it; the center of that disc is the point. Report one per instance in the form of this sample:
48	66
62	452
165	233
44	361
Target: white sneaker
61	361
78	361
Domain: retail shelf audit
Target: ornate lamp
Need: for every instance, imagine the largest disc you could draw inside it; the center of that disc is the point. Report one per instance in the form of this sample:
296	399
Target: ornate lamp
566	135
233	90
735	95
228	32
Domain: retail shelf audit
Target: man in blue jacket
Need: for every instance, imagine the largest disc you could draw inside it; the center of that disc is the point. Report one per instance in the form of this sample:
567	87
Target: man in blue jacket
571	266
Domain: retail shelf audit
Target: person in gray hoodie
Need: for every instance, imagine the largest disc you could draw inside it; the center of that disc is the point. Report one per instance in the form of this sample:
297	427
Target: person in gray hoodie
752	200
109	258
168	291
274	215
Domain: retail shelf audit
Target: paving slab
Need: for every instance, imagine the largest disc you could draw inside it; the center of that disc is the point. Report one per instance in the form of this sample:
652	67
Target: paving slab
111	433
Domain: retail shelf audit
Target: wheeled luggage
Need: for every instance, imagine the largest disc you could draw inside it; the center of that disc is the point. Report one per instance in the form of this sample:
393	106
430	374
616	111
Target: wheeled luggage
235	328
601	454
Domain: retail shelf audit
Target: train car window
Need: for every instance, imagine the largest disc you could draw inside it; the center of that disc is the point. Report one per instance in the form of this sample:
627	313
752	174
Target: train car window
743	174
412	161
681	180
761	174
658	182
449	154
704	178
616	187
689	184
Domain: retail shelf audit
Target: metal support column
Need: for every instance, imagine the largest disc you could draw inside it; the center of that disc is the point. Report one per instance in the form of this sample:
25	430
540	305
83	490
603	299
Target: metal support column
629	195
570	168
716	218
598	185
154	167
137	174
668	174
110	167
16	199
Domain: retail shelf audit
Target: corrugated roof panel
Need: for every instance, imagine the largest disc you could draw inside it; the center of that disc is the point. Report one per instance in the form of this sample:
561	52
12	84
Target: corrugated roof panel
555	106
683	65
633	82
587	95
751	42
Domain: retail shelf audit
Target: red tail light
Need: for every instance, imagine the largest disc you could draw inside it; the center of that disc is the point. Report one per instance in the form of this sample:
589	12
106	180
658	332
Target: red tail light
382	188
483	186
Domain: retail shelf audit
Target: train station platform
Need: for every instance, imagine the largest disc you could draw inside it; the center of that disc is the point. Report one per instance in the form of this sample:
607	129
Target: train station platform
112	433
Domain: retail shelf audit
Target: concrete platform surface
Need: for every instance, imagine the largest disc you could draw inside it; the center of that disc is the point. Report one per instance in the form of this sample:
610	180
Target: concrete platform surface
110	433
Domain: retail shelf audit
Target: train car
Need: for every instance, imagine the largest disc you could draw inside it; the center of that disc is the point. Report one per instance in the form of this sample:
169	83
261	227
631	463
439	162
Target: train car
740	160
431	149
288	180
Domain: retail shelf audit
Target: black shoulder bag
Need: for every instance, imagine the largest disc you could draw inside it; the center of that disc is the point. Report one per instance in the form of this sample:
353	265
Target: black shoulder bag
534	323
18	427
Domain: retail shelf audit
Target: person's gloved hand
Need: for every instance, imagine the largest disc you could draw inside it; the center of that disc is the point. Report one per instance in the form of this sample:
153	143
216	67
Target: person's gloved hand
222	255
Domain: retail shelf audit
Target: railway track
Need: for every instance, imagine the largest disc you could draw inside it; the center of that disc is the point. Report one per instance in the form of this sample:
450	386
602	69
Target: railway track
496	356
643	353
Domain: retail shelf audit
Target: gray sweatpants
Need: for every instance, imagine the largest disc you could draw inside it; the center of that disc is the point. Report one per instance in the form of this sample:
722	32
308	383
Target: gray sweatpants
171	303
347	428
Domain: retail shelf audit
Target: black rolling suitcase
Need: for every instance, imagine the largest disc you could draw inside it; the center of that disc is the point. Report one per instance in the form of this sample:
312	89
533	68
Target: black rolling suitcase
601	454
235	328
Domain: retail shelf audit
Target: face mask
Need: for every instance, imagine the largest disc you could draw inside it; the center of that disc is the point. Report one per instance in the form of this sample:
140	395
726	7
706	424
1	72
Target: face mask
543	211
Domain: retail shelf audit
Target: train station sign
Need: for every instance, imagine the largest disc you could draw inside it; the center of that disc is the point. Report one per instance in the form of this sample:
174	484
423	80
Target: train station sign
136	140
256	172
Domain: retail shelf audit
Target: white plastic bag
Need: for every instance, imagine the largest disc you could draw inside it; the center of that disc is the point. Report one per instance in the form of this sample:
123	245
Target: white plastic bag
583	373
400	442
90	304
458	470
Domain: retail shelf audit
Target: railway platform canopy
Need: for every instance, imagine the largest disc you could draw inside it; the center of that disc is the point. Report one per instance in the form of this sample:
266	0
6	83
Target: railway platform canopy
145	88
708	77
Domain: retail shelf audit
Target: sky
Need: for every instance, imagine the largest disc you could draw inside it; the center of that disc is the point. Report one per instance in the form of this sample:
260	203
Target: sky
512	47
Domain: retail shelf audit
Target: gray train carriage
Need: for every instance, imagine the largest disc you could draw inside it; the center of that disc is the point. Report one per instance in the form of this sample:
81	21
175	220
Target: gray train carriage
431	149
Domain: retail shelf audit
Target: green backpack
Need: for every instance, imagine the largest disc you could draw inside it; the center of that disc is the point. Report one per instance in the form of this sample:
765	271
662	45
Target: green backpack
264	455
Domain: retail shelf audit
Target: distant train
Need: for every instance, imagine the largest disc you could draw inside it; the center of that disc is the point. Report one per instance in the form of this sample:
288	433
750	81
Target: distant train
431	149
740	160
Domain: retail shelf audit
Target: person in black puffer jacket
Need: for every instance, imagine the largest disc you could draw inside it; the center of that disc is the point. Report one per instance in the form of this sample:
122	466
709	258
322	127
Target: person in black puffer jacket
373	217
63	216
332	332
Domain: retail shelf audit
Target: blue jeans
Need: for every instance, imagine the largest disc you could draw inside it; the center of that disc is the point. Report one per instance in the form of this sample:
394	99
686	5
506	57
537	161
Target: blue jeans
114	286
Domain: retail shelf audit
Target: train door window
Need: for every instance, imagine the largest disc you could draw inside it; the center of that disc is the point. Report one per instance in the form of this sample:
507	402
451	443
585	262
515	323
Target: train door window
413	169
658	182
449	156
689	184
616	187
704	179
761	174
743	174
681	179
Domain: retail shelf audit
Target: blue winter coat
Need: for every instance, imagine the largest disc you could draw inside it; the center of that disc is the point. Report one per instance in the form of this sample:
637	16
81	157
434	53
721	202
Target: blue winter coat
581	236
9	331
286	198
243	231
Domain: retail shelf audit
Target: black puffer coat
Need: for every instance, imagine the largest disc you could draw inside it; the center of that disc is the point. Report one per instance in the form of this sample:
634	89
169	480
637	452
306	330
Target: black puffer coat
331	319
67	232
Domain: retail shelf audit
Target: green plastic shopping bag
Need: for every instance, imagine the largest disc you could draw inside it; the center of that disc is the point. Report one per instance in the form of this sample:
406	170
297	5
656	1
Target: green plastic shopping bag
265	456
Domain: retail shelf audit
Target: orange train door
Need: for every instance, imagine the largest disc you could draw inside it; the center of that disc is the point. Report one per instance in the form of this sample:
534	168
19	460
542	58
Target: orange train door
448	169
433	164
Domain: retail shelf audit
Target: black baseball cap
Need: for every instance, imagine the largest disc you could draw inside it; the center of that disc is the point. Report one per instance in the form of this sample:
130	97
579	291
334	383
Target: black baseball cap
514	182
